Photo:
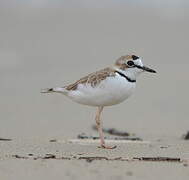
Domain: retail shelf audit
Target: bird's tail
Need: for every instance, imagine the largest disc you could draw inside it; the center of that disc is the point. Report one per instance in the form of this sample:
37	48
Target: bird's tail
50	90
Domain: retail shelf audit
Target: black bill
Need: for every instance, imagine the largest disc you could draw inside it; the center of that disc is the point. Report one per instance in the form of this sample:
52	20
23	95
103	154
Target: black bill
146	68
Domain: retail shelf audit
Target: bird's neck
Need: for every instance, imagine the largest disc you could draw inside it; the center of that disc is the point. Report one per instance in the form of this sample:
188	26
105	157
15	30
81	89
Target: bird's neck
128	73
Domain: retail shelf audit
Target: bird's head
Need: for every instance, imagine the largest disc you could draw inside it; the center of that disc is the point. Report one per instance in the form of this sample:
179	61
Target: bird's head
131	66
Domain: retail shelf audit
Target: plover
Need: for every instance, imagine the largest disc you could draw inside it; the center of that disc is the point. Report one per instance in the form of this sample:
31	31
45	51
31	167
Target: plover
106	87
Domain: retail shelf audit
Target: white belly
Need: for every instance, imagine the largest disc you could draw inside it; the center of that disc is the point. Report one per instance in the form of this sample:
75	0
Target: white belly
110	91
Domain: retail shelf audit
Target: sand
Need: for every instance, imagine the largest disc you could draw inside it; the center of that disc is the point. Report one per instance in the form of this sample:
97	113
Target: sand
41	159
53	43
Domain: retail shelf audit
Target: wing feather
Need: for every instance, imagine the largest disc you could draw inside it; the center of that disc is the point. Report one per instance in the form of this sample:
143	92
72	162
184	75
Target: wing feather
93	78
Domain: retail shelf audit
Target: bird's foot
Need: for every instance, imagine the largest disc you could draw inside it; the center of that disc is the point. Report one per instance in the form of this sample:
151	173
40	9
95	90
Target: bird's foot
107	147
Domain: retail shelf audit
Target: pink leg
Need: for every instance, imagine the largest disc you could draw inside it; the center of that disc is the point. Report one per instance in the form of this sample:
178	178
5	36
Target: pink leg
99	127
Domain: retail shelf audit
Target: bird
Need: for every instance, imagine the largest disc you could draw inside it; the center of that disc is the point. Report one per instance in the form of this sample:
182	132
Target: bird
106	87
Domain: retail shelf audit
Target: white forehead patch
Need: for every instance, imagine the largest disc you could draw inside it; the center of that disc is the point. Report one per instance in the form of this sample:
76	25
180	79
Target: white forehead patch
138	62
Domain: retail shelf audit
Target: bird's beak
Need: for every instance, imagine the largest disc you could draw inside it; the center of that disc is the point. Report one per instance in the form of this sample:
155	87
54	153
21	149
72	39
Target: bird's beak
145	68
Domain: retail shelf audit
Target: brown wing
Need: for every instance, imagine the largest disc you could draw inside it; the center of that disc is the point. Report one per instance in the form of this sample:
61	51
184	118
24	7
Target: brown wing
93	78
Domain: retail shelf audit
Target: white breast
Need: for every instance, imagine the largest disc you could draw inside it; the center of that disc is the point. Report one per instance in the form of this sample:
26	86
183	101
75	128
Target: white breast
110	91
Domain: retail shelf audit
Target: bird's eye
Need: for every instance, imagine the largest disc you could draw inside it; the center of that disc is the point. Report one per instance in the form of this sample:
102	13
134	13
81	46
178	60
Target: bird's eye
130	63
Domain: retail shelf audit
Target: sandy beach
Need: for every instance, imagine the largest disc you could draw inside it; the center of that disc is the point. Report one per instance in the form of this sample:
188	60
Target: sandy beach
52	43
41	159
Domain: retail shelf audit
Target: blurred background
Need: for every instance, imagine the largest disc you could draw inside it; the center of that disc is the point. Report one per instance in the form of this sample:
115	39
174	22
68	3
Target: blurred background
46	43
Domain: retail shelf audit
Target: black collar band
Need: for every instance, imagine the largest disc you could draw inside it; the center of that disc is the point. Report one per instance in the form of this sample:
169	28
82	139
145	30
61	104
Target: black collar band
123	75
